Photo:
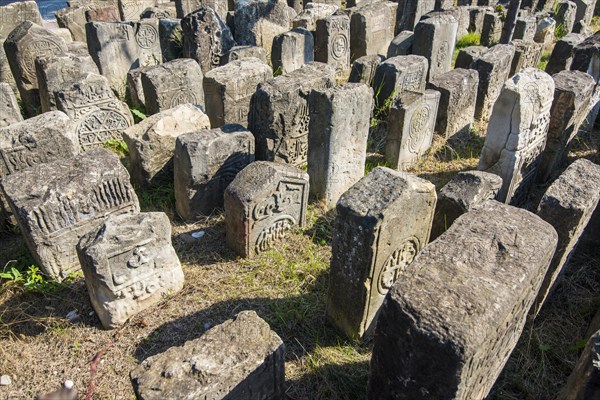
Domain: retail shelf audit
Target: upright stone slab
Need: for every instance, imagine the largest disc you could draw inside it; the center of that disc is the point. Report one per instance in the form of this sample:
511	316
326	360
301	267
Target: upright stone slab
135	90
516	133
448	327
148	42
206	38
171	84
131	10
410	12
584	381
332	43
170	34
562	54
525	28
337	140
544	33
293	49
565	15
264	201
229	89
312	13
494	69
401	45
476	16
527	55
573	94
129	264
434	38
151	142
411	121
568	205
398	75
587	56
491	30
22	46
10	112
185	7
205	164
364	69
57	203
73	19
241	358
6	75
14	14
458	94
464	192
279	115
382	223
240	52
98	114
370	30
585	10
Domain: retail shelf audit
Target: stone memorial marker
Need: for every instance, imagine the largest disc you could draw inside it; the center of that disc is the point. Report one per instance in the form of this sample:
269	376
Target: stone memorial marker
562	54
171	84
135	90
364	68
161	11
398	75
371	30
73	19
229	89
468	55
170	35
205	164
109	13
185	7
382	223
312	13
434	39
14	14
337	140
129	264
410	12
264	201
476	16
151	142
9	108
291	50
544	33
516	133
240	359
585	10
131	10
527	55
565	15
279	115
56	203
447	328
587	54
491	29
148	42
6	75
240	52
494	68
525	28
401	45
332	43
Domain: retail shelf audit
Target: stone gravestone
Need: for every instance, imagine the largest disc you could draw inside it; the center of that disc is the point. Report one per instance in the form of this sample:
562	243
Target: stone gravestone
458	94
491	29
566	15
73	19
401	45
572	96
293	49
229	89
279	115
516	133
240	359
371	30
171	84
411	121
185	7
170	34
568	205
135	90
9	108
410	13
148	42
464	192
240	52
205	164
6	75
364	69
398	75
448	327
337	139
332	43
312	13
57	203
494	69
264	201
527	55
434	38
562	54
587	56
525	28
206	38
544	33
151	142
130	10
109	13
129	264
466	56
14	14
99	115
585	10
22	46
382	223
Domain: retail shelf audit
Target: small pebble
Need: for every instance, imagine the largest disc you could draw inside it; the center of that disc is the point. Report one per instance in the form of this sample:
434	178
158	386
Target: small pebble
198	234
5	380
72	315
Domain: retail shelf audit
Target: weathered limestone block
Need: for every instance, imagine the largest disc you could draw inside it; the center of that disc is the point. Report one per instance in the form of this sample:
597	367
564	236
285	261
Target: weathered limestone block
458	94
476	16
148	42
228	90
206	38
129	264
364	69
264	201
448	327
371	31
382	223
466	190
291	50
585	10
170	34
240	52
401	45
56	203
568	205
516	133
131	10
491	30
434	38
312	13
98	114
279	115
135	90
332	43
151	142
565	15
525	28
171	84
240	359
572	99
14	14
73	19
544	33
22	46
494	68
109	13
527	55
185	7
398	75
205	164
468	55
6	75
10	112
584	381
161	11
337	140
587	56
562	54
410	12
411	121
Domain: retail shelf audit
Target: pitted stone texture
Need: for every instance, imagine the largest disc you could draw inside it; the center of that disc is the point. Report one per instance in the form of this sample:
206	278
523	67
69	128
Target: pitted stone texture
10	112
312	13
293	49
494	68
229	89
465	191
14	14
448	327
544	33
264	201
525	28
240	359
565	15
434	39
337	140
584	381
371	30
401	45
129	264
205	164
131	10
516	133
171	84
382	223
241	52
562	54
6	75
468	55
170	33
410	12
398	75
587	56
364	69
151	142
491	29
527	55
184	7
279	115
332	43
56	203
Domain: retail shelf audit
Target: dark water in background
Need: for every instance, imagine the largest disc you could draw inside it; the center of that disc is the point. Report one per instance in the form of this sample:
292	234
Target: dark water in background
47	7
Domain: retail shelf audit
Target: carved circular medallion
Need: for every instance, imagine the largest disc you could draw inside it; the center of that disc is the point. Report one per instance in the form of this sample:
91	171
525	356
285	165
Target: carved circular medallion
418	123
40	47
183	97
339	46
101	125
396	264
146	36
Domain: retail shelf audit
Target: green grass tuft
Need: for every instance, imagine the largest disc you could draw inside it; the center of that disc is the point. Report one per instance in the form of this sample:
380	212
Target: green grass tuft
470	39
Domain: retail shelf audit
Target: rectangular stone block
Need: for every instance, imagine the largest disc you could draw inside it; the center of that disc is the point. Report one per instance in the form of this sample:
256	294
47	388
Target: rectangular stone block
562	53
434	39
240	52
332	43
293	49
401	45
184	7
494	68
6	75
364	68
382	223
491	29
448	327
131	10
370	30
10	113
313	12
410	13
527	55
13	14
398	75
525	28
